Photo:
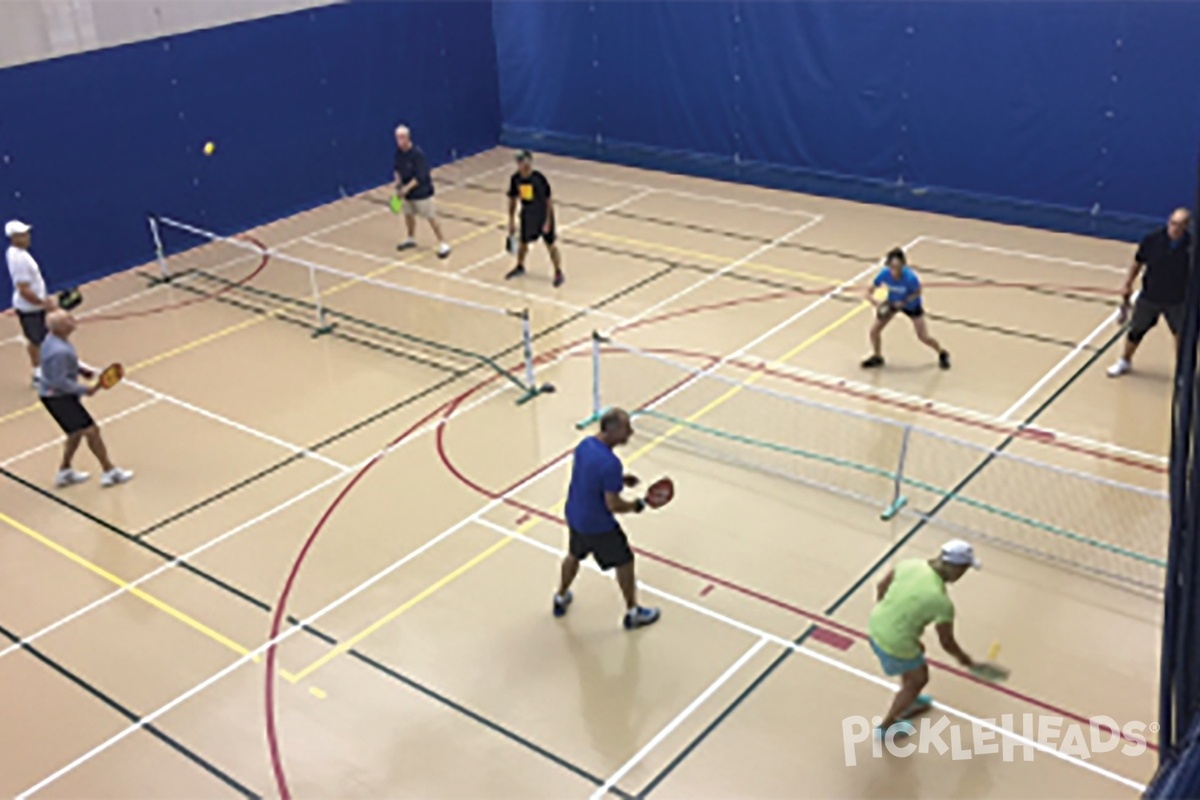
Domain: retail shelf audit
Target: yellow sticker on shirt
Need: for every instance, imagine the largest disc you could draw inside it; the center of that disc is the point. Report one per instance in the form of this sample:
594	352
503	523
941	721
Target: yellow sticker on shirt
527	192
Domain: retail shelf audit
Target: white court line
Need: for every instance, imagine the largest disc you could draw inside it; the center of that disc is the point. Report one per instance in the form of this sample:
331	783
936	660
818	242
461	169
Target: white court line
287	243
457	278
59	440
574	224
740	262
681	193
472	518
1068	358
670	727
1023	254
257	653
266	437
835	382
765	637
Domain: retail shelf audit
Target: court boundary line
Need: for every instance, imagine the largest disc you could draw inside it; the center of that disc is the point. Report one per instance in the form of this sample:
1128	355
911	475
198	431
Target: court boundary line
1061	365
800	648
123	710
294	449
58	440
633	198
872	569
458	278
1026	254
830	382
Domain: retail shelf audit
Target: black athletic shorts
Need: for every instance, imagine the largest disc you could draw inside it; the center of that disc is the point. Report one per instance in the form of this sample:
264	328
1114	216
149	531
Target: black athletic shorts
611	548
33	325
912	313
1146	313
531	228
69	413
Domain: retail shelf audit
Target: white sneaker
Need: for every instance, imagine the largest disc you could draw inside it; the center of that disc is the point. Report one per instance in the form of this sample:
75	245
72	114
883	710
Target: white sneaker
443	250
1120	368
114	476
69	477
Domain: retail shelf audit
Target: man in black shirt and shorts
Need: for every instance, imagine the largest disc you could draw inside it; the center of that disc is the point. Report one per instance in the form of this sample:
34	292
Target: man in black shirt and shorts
1164	255
537	215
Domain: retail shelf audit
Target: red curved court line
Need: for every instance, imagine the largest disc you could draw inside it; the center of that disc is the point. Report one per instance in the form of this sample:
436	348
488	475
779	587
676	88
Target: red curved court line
266	259
811	616
446	409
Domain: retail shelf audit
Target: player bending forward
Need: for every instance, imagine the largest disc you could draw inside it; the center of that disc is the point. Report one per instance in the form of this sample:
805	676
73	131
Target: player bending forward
910	597
904	296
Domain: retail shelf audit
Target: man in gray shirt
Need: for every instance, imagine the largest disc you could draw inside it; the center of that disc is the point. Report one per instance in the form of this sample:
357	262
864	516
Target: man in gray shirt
61	393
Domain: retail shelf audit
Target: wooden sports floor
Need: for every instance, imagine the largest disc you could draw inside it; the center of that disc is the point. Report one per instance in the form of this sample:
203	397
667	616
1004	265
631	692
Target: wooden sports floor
393	496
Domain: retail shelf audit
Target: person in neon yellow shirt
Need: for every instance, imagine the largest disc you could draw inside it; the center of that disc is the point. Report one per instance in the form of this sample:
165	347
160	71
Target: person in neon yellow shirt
910	597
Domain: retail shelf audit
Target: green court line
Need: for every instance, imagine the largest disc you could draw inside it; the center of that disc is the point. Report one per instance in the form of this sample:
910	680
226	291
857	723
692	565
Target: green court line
916	484
700	738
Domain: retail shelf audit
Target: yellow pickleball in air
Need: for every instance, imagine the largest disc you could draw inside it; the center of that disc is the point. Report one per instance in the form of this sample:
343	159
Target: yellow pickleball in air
209	148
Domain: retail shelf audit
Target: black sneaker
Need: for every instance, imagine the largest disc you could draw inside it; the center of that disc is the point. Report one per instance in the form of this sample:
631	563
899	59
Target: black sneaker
944	360
407	244
640	617
515	272
872	362
562	602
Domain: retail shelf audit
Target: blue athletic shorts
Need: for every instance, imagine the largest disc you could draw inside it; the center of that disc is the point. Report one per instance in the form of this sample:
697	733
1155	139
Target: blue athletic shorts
893	666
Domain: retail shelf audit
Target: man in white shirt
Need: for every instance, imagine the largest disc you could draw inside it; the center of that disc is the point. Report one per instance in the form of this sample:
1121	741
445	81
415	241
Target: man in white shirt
29	292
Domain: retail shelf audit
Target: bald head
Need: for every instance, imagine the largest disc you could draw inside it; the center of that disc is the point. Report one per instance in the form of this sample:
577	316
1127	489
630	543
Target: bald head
1178	224
60	323
403	137
615	427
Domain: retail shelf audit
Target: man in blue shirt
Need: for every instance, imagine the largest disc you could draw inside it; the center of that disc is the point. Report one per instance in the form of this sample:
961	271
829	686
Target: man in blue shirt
594	497
414	186
904	296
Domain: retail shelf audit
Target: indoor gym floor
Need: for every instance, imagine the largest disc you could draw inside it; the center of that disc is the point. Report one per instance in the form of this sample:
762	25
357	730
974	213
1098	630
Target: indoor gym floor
433	667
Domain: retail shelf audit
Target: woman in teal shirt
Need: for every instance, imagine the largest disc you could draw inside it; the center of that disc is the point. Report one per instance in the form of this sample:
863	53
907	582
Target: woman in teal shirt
904	296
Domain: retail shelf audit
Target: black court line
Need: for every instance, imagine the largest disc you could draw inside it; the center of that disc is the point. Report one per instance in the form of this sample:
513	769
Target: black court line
166	555
132	716
757	240
381	414
691	746
783	285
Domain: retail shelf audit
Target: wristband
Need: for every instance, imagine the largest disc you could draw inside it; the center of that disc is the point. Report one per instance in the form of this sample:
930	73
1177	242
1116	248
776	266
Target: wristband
639	506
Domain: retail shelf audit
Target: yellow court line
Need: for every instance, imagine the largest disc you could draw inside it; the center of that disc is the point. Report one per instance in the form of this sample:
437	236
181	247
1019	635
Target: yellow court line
348	644
667	248
133	590
223	332
641	452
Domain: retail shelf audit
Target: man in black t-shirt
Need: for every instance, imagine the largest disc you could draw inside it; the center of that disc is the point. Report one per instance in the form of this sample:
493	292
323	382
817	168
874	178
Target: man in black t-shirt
537	215
414	187
1165	257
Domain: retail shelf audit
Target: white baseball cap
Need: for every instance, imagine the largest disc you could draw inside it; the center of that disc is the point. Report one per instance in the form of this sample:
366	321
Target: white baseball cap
15	227
960	554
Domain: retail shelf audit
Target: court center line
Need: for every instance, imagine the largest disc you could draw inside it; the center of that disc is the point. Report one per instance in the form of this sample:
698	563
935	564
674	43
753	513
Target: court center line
266	437
289	632
832	662
679	719
58	440
665	248
127	586
1061	365
475	561
457	278
503	387
568	226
